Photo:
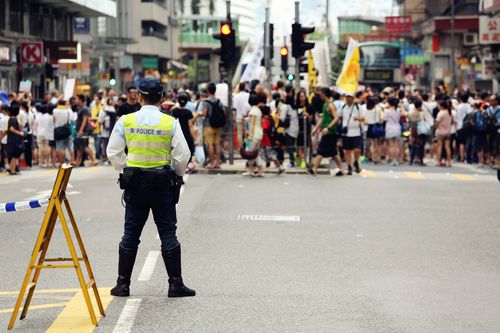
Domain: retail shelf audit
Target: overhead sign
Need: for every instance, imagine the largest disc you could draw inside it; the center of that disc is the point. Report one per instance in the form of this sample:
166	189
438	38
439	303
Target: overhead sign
489	30
398	24
31	53
63	51
81	25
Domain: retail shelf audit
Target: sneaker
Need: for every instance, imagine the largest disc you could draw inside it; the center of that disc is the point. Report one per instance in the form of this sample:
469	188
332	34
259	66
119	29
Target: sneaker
281	171
356	167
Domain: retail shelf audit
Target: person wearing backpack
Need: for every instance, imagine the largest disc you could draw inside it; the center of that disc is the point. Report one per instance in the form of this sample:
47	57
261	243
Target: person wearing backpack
107	120
479	136
269	142
327	126
214	122
353	119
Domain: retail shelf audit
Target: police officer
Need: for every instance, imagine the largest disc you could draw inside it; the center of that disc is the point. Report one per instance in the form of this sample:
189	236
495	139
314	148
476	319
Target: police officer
157	158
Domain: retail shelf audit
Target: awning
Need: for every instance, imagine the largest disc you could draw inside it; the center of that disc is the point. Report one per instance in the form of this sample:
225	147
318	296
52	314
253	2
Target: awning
87	8
177	64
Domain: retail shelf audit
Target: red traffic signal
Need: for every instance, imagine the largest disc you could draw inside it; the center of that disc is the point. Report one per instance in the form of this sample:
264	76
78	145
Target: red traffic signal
299	45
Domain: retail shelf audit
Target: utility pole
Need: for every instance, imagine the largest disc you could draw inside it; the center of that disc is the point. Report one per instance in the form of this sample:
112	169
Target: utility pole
230	96
453	81
267	50
297	60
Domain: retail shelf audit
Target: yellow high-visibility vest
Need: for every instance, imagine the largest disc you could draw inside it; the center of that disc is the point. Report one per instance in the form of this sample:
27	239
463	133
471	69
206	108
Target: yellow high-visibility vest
148	146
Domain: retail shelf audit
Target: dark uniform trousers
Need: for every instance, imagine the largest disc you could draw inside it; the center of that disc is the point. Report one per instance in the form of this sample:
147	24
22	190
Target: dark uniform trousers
139	201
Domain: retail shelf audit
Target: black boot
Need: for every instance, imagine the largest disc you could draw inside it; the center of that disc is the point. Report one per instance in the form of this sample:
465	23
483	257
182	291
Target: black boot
172	260
125	265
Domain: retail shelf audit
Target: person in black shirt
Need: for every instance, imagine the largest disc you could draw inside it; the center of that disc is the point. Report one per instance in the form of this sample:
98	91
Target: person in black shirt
131	105
185	117
15	141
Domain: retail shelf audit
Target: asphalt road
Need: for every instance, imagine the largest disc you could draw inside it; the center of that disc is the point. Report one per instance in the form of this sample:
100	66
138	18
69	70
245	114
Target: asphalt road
390	251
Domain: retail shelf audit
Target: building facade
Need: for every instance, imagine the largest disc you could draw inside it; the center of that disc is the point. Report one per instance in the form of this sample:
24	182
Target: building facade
36	41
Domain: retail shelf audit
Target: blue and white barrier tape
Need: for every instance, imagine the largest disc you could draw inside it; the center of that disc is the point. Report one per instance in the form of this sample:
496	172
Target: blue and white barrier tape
9	207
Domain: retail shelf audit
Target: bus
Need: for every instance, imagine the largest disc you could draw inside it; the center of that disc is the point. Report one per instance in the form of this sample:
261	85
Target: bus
380	64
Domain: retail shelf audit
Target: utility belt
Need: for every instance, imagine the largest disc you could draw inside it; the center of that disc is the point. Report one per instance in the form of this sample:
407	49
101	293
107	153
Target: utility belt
154	179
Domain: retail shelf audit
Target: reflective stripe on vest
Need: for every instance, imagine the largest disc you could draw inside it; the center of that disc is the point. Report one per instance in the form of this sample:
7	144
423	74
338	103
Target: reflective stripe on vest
148	146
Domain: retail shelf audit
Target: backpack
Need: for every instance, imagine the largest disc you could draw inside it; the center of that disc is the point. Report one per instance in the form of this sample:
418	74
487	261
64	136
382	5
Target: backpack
468	122
492	122
216	116
480	123
272	133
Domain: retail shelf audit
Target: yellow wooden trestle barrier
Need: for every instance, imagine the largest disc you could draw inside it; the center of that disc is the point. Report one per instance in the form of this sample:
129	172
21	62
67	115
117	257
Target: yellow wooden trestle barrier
38	260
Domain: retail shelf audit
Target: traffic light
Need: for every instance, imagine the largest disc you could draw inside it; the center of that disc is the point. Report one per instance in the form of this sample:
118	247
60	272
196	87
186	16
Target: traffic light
290	77
284	58
112	78
227	37
299	46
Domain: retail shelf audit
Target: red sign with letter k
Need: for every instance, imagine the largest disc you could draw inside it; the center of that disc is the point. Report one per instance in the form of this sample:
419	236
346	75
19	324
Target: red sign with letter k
32	53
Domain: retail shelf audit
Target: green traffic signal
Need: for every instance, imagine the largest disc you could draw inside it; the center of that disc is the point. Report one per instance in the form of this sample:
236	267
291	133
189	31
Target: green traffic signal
290	77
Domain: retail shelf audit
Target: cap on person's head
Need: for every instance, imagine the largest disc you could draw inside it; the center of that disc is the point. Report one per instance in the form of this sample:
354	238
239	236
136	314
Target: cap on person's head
349	94
151	87
388	90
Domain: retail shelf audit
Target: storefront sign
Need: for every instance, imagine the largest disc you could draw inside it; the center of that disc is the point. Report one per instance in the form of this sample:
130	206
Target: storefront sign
31	53
489	30
63	51
398	24
4	52
490	6
379	75
150	63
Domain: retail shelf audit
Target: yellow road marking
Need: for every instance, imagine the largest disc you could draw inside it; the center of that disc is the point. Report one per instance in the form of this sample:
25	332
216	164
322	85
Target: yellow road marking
464	177
34	307
367	173
414	175
50	172
75	317
93	169
43	291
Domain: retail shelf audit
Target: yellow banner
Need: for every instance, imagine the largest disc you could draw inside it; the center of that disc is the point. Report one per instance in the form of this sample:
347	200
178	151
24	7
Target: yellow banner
348	80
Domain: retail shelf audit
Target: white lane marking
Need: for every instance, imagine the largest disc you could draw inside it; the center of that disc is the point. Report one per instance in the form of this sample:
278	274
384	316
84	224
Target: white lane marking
127	316
280	218
149	266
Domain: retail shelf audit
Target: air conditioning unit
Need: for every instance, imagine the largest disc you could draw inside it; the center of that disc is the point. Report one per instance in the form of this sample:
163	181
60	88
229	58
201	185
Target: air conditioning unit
470	39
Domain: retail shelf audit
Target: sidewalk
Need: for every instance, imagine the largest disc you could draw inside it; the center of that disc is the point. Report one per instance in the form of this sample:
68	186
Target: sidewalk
239	167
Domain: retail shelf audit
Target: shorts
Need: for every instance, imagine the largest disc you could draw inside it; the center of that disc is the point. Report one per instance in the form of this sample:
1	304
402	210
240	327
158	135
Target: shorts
328	146
461	137
14	151
479	142
52	143
64	143
352	142
443	137
212	135
81	143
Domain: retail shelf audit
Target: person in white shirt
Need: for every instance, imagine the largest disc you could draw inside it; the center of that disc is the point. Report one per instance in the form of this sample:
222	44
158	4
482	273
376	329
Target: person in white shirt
107	119
353	119
4	119
463	110
240	103
62	118
45	130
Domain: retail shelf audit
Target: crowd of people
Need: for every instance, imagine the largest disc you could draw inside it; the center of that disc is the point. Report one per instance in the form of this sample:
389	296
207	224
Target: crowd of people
387	127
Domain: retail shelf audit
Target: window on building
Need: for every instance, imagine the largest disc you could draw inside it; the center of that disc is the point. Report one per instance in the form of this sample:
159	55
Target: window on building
2	12
158	2
153	28
16	15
